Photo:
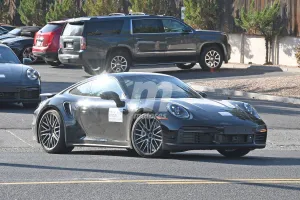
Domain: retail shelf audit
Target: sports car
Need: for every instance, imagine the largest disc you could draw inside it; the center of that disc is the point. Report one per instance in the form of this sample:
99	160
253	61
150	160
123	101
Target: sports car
149	114
19	83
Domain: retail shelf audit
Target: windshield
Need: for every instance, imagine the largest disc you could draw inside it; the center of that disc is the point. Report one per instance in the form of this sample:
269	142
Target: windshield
156	87
7	56
15	31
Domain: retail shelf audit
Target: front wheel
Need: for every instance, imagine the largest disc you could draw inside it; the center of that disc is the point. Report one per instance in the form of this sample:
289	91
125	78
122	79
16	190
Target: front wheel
211	58
147	136
51	133
186	65
234	153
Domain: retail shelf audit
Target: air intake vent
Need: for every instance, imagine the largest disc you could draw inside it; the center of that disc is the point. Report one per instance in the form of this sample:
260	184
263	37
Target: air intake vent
68	109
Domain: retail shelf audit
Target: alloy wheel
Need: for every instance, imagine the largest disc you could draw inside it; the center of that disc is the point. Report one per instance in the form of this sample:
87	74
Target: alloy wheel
27	53
119	64
147	135
49	131
212	59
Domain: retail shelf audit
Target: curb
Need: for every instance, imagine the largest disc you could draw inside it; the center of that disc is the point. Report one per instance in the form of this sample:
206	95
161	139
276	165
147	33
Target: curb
261	67
249	95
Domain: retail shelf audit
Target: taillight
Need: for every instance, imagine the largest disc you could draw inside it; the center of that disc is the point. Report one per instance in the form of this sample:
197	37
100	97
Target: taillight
34	40
61	44
51	36
82	43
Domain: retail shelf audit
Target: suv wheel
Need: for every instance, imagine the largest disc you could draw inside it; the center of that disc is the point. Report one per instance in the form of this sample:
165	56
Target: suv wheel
118	61
211	58
186	65
234	153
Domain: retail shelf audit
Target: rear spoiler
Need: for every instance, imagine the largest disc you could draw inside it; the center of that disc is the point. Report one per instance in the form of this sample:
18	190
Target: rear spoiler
48	95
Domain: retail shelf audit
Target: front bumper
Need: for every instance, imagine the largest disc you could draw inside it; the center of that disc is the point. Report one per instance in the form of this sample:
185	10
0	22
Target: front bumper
20	94
208	138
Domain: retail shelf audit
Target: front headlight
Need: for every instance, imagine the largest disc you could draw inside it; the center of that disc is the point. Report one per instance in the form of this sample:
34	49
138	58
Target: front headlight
249	109
178	111
32	74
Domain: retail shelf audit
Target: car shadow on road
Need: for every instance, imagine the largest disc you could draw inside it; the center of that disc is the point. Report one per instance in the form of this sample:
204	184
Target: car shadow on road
15	108
221	73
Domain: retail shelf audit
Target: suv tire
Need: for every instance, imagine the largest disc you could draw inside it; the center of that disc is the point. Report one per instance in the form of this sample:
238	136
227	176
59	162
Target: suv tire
118	61
235	153
186	65
211	58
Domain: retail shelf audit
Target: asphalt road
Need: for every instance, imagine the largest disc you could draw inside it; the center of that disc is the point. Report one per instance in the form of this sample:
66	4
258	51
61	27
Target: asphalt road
29	173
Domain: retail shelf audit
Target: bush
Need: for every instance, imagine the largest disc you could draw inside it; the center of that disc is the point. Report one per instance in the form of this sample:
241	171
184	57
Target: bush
298	54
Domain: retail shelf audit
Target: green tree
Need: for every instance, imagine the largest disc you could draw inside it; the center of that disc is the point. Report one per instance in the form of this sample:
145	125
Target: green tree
202	14
62	10
266	21
33	12
101	7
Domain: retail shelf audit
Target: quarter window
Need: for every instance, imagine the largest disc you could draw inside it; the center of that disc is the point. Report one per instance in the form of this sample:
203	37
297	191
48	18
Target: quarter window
111	27
96	87
147	26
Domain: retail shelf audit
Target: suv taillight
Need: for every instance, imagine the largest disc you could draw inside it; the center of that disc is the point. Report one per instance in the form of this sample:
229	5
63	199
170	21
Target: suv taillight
82	43
61	44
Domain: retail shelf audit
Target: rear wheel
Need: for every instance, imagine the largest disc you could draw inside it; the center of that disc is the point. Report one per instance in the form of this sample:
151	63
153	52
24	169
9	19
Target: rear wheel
211	58
118	61
53	63
147	136
186	65
51	133
27	53
234	153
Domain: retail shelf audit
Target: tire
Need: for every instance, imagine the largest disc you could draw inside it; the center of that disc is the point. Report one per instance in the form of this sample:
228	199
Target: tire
118	61
211	58
186	65
27	53
31	105
235	153
52	141
53	63
145	128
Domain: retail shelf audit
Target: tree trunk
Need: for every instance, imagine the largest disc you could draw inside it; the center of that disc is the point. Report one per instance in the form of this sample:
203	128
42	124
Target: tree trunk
267	50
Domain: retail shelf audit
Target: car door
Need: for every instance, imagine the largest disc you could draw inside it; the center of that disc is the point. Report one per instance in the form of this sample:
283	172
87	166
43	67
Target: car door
98	117
181	46
149	41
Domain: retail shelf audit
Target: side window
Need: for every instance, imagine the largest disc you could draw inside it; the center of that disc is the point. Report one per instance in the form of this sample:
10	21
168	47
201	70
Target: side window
82	90
111	27
147	26
104	85
173	26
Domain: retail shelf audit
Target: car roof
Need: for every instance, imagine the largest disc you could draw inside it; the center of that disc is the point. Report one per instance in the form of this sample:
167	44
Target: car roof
4	46
116	17
128	74
57	22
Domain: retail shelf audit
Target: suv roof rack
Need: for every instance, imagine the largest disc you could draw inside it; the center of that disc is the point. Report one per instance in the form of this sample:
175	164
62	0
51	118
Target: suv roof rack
136	13
116	14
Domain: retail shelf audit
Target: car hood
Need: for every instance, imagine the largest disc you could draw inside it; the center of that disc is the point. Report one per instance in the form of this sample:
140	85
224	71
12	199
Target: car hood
12	73
6	36
209	112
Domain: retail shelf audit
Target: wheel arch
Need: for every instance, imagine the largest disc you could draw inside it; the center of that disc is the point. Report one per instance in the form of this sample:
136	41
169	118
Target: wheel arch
216	44
119	48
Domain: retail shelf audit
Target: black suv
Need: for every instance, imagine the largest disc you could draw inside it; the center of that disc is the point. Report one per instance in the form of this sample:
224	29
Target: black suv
115	43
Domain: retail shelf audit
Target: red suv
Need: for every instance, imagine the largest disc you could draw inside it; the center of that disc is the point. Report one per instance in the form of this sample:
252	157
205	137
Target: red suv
46	42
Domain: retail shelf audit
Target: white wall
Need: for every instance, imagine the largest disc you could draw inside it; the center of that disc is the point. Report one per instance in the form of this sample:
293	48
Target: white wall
253	50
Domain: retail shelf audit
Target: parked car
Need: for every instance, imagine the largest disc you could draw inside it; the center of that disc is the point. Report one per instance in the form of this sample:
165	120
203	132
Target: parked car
3	31
19	83
115	43
24	30
7	27
22	47
138	112
46	42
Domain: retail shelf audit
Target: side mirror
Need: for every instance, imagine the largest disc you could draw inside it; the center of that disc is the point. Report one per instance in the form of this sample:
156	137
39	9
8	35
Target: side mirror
27	61
186	30
204	95
113	96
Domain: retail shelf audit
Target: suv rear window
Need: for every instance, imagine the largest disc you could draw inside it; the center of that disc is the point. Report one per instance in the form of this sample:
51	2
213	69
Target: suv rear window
73	29
111	27
50	27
